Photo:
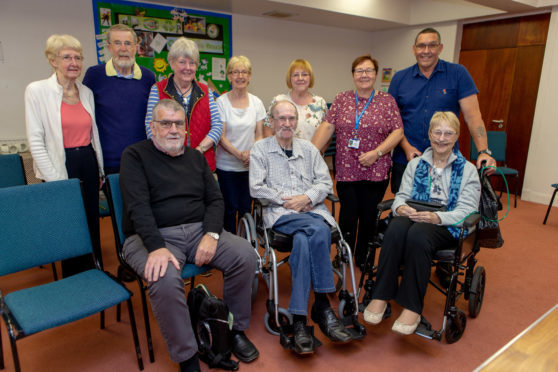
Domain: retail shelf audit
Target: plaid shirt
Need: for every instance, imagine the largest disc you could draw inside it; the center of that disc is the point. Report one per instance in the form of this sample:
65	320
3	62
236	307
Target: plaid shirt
273	175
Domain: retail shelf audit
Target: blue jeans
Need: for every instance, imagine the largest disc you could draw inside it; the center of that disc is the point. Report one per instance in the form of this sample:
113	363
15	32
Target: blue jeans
236	194
309	260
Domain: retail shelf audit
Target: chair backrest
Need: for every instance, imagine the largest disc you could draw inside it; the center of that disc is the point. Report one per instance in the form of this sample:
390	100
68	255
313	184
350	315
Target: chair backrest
114	196
42	223
496	143
11	171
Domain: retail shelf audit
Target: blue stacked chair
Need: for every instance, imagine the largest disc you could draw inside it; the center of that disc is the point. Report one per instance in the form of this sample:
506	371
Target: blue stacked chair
35	231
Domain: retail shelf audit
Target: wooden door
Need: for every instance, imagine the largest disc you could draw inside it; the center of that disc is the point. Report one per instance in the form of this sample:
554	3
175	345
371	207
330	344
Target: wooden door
505	60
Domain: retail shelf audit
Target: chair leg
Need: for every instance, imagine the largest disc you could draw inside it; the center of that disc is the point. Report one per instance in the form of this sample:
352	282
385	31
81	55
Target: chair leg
550	206
1	351
15	355
516	186
54	273
135	334
147	325
103	319
118	312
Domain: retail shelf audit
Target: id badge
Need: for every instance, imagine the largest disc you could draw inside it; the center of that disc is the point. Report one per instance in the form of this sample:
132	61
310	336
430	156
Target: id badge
354	143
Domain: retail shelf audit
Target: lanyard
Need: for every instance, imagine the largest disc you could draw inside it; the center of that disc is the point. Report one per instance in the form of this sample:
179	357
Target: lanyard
357	116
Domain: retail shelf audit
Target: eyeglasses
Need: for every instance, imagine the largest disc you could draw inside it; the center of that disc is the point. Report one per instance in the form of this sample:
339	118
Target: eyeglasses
284	119
368	71
439	133
186	62
167	124
243	72
68	58
298	75
119	43
431	46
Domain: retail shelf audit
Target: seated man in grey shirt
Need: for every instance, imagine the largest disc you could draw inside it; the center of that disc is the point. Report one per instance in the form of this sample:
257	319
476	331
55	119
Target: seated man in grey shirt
292	175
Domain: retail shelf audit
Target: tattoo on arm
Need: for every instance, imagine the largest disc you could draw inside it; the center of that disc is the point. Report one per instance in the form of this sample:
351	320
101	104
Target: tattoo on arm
481	132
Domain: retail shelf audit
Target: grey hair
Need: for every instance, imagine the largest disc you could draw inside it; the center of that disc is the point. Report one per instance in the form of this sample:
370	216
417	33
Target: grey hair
183	47
277	103
169	104
429	30
121	27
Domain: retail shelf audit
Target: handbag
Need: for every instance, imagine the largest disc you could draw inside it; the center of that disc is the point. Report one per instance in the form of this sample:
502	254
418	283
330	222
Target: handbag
425	206
489	235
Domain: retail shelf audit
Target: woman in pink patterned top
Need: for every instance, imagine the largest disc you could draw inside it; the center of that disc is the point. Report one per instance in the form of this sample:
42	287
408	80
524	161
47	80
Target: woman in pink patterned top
368	126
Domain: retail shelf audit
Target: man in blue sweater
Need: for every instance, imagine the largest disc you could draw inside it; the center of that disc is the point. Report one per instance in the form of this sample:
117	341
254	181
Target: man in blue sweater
121	88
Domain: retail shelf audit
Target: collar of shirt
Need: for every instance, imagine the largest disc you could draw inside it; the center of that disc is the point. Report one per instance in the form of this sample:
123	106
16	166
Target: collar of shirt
164	152
111	71
276	147
440	67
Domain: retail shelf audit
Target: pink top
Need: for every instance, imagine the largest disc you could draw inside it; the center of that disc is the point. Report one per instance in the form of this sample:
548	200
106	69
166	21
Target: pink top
378	121
76	125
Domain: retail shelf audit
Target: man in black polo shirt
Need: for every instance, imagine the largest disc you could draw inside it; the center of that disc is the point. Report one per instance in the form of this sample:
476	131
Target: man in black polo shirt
173	214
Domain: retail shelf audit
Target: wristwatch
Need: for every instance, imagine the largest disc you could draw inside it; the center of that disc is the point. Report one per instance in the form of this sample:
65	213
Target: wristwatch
380	153
213	235
487	152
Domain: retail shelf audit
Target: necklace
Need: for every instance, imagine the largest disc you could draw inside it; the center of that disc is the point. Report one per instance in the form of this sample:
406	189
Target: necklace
185	92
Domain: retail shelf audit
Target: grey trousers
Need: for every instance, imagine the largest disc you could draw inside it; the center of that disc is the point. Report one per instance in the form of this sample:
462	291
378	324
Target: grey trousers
234	257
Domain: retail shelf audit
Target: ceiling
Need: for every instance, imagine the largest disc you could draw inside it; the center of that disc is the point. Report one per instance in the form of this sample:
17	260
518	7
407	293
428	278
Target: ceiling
369	15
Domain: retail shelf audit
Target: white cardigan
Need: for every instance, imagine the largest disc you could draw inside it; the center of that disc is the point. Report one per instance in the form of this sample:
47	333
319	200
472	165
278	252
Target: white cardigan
43	102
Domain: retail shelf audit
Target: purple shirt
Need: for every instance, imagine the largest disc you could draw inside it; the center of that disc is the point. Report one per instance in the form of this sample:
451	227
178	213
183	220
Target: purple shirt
378	121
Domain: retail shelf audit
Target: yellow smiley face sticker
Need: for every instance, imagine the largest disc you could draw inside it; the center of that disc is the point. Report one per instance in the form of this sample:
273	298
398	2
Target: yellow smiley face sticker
160	65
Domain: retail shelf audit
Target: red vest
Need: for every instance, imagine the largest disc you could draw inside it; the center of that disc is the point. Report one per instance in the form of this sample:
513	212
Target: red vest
198	119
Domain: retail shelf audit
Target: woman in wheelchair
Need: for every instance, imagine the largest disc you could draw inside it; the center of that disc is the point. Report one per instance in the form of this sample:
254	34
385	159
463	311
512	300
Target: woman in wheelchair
440	175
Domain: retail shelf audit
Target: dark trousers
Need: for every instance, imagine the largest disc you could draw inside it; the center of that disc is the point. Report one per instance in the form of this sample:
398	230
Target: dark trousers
414	245
236	194
112	170
397	170
81	163
234	257
359	206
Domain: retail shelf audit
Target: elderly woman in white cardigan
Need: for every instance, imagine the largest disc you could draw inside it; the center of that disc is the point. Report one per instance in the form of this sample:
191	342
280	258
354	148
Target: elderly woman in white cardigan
62	133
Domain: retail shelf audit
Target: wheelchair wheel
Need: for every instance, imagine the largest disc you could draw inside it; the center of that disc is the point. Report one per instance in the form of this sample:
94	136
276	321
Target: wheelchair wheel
455	326
284	318
476	292
246	228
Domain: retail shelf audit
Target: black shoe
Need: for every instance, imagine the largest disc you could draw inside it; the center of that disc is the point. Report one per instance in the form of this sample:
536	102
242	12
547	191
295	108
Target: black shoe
303	340
243	348
330	325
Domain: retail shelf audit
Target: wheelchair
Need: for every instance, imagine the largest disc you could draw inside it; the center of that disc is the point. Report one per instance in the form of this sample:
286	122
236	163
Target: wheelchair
457	274
278	321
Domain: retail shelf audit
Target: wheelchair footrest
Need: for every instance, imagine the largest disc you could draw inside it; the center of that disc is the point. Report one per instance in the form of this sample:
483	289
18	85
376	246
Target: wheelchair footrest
286	337
355	329
425	330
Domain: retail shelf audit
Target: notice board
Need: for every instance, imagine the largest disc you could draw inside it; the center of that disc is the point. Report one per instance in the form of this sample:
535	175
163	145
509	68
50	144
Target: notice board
158	26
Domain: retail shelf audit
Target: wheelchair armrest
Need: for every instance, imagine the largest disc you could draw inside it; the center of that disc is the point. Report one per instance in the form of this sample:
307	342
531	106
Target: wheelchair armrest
472	220
385	205
333	198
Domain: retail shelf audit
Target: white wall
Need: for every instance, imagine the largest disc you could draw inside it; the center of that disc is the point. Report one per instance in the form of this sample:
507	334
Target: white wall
542	159
270	44
24	28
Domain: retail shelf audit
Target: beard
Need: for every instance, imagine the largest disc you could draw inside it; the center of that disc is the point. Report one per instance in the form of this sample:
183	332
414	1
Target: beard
122	64
171	144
